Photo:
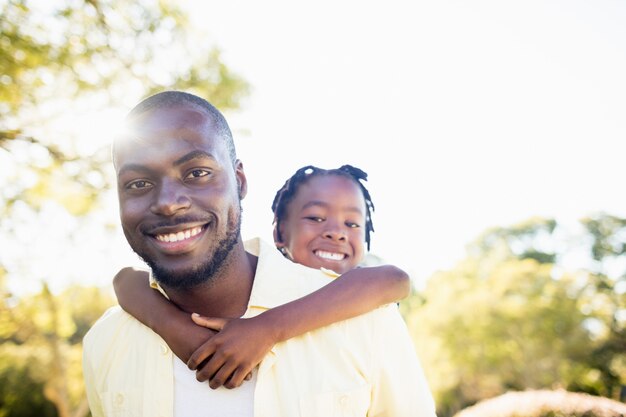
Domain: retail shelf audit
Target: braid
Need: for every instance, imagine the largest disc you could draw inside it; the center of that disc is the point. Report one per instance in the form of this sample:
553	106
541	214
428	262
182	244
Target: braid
359	175
287	192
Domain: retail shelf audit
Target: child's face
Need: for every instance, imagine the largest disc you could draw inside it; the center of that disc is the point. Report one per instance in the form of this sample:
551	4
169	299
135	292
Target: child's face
325	224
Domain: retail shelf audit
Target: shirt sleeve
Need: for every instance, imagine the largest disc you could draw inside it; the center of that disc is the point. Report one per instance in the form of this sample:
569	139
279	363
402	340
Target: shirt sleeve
95	405
399	387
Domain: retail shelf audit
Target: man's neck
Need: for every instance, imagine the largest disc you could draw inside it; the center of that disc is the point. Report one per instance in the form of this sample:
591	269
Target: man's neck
227	294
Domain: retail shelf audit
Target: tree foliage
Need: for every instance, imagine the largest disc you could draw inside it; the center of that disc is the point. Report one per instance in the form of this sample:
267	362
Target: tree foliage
514	315
59	63
99	54
41	338
112	46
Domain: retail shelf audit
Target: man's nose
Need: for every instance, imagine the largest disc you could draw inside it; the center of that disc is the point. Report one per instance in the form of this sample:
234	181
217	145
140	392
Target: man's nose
170	199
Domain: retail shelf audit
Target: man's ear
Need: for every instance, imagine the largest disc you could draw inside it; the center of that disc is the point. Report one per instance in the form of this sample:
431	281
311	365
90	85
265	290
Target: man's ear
242	182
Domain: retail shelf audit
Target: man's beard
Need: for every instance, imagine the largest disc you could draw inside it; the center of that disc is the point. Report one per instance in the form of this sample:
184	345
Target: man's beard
205	272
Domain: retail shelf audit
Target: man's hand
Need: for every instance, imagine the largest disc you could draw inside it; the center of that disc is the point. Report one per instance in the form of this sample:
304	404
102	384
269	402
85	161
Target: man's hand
229	356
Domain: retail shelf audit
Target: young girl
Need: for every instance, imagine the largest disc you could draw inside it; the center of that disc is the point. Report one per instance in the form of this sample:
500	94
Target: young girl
322	218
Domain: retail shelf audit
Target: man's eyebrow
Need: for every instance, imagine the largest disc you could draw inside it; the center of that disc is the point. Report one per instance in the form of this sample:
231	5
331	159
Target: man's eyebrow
193	155
185	158
132	167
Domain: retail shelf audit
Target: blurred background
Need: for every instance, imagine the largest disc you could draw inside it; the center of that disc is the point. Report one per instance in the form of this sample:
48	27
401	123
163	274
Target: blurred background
493	133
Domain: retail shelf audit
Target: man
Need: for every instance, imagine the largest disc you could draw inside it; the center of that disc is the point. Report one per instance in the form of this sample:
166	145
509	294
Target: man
180	187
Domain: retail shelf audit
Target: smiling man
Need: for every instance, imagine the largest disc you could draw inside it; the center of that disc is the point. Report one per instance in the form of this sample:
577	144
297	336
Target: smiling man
180	186
180	196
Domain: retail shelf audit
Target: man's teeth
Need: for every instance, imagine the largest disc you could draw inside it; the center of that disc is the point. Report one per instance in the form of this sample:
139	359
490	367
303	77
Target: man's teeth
182	235
330	255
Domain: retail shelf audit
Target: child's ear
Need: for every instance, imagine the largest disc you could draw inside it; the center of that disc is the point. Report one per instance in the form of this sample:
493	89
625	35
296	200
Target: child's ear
280	245
277	240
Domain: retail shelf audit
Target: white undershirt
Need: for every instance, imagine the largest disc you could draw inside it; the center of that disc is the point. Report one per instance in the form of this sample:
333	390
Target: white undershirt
197	399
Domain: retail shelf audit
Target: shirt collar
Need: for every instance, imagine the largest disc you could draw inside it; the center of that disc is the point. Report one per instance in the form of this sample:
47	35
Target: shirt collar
155	285
277	280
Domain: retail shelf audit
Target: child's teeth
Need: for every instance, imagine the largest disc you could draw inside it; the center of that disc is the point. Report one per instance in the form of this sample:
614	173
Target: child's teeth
330	255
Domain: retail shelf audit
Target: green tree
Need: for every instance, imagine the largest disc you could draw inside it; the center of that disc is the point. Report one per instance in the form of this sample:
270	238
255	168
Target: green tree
57	56
605	296
61	61
41	338
513	315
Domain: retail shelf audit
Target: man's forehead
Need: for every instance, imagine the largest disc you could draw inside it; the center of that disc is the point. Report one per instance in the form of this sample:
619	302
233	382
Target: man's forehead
164	128
178	116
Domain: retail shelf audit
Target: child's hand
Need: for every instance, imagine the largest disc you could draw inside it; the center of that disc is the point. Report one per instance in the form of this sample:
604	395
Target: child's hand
233	352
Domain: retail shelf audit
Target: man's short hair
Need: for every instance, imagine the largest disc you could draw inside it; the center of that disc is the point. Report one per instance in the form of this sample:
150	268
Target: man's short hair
171	99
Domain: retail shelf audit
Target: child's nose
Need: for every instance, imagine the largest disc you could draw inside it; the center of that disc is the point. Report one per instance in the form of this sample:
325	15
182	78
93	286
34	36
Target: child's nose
335	234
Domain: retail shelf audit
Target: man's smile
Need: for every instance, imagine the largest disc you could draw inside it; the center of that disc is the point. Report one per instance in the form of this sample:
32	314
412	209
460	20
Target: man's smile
179	241
178	236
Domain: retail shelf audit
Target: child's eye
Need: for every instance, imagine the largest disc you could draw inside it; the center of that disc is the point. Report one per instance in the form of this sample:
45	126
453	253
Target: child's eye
197	173
315	219
138	185
353	225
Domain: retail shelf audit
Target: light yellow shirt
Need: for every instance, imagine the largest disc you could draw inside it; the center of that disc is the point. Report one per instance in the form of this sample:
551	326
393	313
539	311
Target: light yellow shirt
366	366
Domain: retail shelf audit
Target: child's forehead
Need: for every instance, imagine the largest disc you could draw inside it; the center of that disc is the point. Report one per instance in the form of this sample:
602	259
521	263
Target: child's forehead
326	181
332	187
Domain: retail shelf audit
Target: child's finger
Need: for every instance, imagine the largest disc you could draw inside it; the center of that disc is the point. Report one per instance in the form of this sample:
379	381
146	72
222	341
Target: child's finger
236	379
214	323
222	375
208	370
200	355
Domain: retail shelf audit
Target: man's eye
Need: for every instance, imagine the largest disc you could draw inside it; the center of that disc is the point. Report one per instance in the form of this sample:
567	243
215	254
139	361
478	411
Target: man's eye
138	185
197	173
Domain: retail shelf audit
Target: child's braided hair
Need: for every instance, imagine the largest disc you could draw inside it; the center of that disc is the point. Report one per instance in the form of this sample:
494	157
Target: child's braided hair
288	191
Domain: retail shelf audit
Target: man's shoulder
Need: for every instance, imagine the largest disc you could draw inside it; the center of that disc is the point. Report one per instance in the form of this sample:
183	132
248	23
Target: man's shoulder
112	318
310	278
279	280
382	319
364	331
114	325
122	358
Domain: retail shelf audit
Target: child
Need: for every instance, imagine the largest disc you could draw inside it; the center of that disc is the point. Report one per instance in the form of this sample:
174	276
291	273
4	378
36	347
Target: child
322	218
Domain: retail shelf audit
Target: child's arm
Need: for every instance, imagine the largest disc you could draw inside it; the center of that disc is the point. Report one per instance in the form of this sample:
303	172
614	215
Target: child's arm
242	343
152	309
354	293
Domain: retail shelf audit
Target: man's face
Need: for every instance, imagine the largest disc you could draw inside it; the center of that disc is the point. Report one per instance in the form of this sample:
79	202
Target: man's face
179	194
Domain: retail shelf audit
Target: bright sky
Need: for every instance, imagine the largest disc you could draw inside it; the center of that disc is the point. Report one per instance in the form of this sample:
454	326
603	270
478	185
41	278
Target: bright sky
465	114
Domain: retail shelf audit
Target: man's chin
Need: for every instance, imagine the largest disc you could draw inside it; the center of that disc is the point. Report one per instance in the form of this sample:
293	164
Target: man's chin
186	276
180	278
